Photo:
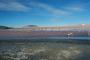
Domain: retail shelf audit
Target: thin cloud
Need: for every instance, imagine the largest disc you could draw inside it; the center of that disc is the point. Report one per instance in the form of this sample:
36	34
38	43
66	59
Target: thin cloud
76	7
13	6
50	9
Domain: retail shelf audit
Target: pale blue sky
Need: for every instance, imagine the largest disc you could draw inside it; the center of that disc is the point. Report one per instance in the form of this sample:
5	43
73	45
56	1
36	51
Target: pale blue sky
18	13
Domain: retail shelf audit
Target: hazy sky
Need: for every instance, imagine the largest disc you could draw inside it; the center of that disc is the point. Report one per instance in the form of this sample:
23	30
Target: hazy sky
44	12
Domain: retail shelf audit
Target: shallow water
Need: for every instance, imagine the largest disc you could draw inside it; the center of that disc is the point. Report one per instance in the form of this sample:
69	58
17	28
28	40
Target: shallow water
43	51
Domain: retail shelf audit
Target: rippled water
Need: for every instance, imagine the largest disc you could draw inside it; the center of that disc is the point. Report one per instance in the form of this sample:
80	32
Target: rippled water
43	51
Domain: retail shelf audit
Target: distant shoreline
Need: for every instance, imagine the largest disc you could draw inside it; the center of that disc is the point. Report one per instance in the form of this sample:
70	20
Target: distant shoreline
73	41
